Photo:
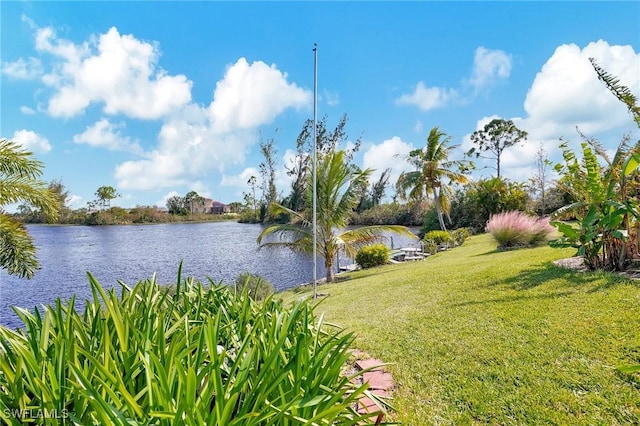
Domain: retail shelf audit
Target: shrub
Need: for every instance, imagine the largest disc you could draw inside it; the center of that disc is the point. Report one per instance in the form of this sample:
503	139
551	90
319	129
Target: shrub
199	356
516	229
373	255
458	236
430	247
473	205
256	286
248	216
438	237
390	214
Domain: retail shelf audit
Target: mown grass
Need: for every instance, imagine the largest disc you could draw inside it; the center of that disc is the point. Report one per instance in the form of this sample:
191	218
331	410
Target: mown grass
480	336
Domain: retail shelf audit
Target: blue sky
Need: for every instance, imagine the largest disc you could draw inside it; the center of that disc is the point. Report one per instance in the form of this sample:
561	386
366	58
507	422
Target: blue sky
160	98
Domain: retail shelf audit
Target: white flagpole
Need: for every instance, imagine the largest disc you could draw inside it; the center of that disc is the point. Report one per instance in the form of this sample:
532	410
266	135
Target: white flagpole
315	136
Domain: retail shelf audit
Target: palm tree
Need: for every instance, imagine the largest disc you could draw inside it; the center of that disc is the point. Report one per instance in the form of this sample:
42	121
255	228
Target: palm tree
432	168
338	189
19	182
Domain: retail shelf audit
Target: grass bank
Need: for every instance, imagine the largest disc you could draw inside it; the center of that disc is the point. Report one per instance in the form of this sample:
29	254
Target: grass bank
478	336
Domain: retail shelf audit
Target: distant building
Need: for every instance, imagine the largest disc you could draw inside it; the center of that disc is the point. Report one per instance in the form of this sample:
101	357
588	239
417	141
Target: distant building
209	206
220	208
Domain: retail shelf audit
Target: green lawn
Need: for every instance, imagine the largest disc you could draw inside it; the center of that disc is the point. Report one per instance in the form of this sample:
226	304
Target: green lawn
478	336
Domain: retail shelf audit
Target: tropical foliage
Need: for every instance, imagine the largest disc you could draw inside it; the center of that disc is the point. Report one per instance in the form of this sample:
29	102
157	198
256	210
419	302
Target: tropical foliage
338	186
606	190
201	355
20	183
473	205
607	207
434	173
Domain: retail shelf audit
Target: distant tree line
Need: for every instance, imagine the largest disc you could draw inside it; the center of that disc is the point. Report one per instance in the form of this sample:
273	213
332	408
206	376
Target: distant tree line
101	212
438	194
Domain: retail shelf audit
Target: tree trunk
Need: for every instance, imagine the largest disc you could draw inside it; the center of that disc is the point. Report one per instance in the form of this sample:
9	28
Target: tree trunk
438	211
331	273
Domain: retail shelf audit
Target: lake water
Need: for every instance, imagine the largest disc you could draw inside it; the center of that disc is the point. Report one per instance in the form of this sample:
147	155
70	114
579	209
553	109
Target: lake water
220	250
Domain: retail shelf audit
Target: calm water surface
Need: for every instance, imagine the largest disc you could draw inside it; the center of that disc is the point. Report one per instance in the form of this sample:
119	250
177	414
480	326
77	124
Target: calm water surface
219	250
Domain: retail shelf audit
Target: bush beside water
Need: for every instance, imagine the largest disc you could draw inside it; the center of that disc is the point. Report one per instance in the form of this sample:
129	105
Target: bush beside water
199	356
254	285
373	255
435	240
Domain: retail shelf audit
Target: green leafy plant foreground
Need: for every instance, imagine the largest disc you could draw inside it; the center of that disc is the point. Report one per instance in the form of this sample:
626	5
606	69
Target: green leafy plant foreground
256	286
199	356
606	194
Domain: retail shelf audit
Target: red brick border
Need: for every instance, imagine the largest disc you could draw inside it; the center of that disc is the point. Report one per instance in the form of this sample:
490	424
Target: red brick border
380	384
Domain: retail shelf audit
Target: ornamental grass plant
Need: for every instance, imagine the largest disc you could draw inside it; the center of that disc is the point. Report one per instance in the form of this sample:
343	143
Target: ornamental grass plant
516	229
202	355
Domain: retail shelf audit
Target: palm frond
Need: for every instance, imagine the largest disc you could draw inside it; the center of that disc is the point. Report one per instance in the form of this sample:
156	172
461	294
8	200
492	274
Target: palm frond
284	232
16	161
17	252
276	209
32	192
353	239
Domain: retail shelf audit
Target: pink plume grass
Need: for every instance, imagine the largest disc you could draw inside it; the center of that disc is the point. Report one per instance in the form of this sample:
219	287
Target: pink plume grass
516	229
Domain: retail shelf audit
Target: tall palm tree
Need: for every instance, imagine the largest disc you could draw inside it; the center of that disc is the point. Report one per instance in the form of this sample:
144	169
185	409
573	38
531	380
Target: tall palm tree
338	188
433	167
19	182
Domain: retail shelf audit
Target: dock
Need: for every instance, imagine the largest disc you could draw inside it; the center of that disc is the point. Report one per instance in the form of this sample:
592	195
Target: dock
406	254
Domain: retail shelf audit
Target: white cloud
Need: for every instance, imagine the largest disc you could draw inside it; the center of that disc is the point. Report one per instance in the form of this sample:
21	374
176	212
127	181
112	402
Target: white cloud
566	92
332	98
107	135
27	110
418	126
283	181
251	95
428	98
32	141
159	171
23	70
488	66
163	201
198	139
201	188
117	70
391	154
241	180
75	202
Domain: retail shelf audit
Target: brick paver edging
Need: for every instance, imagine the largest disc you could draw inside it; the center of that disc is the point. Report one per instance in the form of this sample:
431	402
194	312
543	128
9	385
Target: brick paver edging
380	384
